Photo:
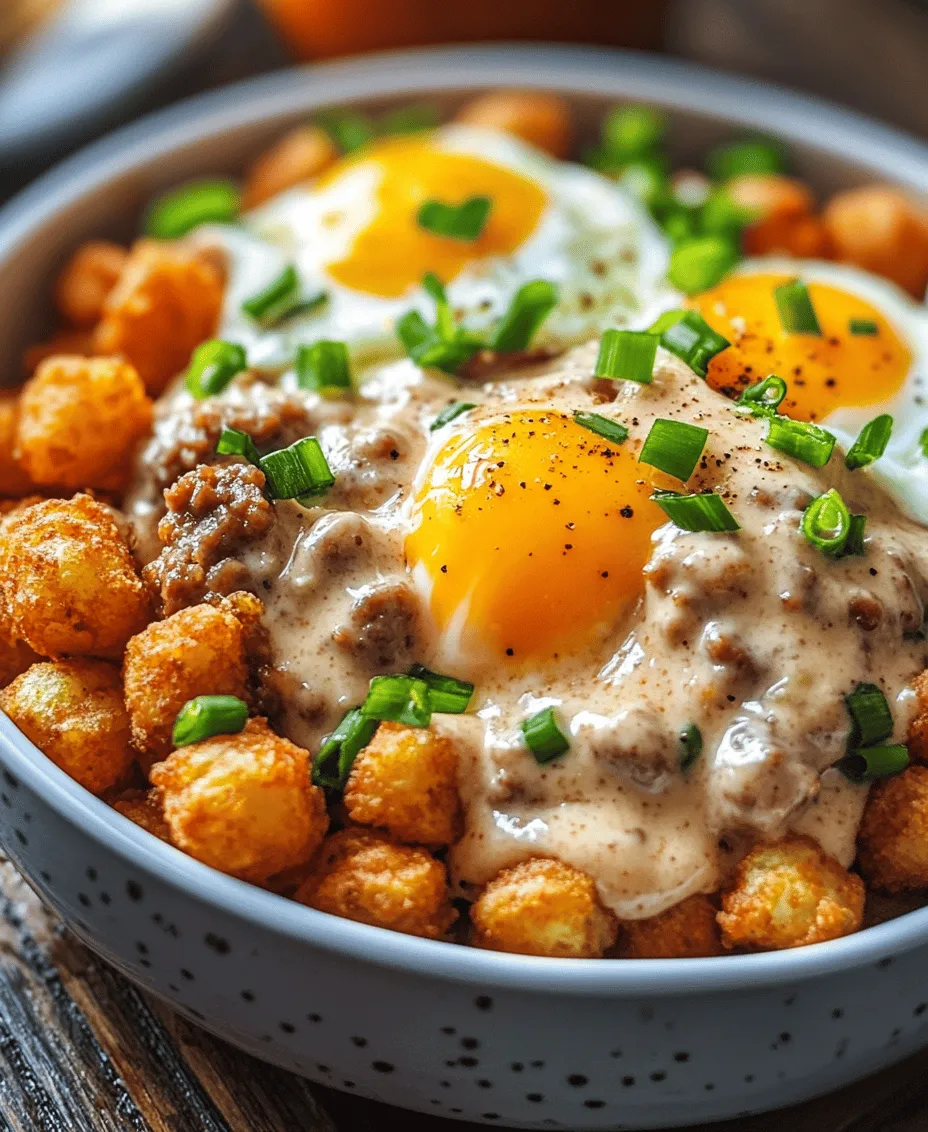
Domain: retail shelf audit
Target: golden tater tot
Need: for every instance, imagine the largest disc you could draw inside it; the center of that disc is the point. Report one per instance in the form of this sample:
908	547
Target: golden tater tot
144	808
86	279
803	237
65	342
789	894
14	480
243	803
917	738
196	652
541	119
165	304
881	230
688	930
301	154
73	711
892	842
15	658
405	781
543	907
80	420
67	579
362	875
769	195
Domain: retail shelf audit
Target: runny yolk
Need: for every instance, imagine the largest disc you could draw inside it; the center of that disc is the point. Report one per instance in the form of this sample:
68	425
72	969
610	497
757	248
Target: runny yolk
531	533
393	252
822	374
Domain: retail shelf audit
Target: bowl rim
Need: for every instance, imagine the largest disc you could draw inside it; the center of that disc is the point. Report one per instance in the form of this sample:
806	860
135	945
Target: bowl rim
635	76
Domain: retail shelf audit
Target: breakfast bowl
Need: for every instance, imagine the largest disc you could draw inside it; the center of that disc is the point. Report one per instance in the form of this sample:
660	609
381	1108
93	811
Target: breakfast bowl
466	1033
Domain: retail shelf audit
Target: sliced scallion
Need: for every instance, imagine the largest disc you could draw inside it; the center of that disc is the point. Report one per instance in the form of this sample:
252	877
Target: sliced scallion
349	129
277	300
234	442
871	443
674	447
446	693
324	367
332	765
923	442
450	413
826	523
464	221
399	699
690	746
213	366
646	179
626	355
753	155
696	512
543	737
630	132
410	119
297	472
200	202
863	327
612	431
871	763
855	536
444	345
871	719
801	439
206	716
530	306
765	396
687	335
696	265
794	306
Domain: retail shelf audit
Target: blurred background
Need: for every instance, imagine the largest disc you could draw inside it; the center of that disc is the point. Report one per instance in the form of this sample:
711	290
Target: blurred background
71	69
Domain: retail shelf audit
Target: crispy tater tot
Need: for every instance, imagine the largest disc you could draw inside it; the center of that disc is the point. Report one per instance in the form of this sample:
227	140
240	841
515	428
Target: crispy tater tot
243	803
67	579
196	652
768	195
301	154
688	930
15	657
788	894
892	841
80	420
86	279
543	120
144	808
405	781
73	711
362	875
881	230
803	237
14	480
165	304
543	907
65	342
917	738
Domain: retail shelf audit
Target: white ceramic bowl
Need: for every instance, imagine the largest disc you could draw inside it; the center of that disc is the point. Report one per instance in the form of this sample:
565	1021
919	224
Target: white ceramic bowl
502	1039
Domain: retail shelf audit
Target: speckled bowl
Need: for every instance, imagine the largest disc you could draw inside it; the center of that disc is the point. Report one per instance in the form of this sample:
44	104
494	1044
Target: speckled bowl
495	1038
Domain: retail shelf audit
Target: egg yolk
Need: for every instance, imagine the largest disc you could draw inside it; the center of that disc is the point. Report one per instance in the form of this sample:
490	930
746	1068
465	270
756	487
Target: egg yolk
822	374
531	533
391	254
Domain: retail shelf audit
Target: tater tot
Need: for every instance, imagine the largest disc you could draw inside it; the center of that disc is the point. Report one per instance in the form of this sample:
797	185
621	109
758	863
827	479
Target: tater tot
80	420
362	875
688	930
15	657
789	894
803	237
917	737
73	711
543	907
67	579
541	119
196	652
784	223
144	808
768	195
14	480
242	803
405	781
67	342
166	303
881	230
892	841
301	154
86	279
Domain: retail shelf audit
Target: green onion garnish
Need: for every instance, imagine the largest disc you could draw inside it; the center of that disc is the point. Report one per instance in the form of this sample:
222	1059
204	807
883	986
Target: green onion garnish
826	523
865	327
923	442
691	746
200	202
754	155
463	221
530	306
687	335
234	442
679	224
855	536
450	413
871	443
543	737
626	355
446	693
722	216
213	366
696	512
298	471
610	430
410	119
698	264
797	315
324	367
336	756
277	300
802	439
400	699
205	716
871	719
444	345
630	132
646	179
764	397
870	763
349	129
674	447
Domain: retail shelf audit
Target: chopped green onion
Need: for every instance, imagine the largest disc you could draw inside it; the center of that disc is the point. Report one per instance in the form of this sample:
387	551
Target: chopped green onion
871	719
543	737
234	442
646	179
612	431
794	306
399	699
446	693
349	129
721	215
206	716
863	326
626	355
871	763
855	536
303	306
410	119
324	367
464	221
754	155
336	756
764	397
443	346
200	202
679	225
213	366
826	523
801	439
696	512
687	335
449	413
633	131
871	443
691	746
674	447
277	300
923	442
697	265
298	471
530	306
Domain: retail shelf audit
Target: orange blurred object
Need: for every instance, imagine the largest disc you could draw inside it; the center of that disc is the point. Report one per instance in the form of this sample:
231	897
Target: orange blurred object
319	28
